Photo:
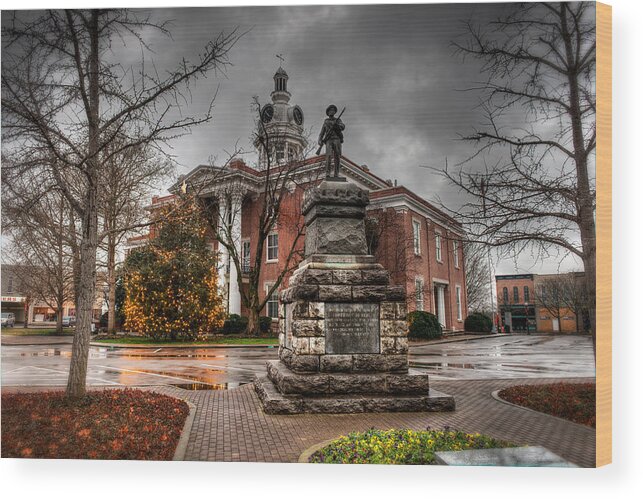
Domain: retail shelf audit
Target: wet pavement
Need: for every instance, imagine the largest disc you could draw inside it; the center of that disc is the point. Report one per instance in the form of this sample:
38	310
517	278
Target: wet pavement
223	368
511	356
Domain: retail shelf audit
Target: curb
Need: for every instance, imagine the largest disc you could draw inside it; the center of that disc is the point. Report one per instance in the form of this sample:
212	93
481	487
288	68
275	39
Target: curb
210	345
182	446
305	456
497	397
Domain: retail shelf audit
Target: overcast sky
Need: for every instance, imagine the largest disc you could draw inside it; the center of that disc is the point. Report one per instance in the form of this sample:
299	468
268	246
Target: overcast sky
391	66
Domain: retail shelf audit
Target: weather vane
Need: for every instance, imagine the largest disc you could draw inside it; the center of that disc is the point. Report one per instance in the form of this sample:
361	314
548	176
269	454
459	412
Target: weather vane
280	57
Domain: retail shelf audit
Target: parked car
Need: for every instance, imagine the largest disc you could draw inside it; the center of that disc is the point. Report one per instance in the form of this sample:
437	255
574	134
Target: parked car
8	319
69	321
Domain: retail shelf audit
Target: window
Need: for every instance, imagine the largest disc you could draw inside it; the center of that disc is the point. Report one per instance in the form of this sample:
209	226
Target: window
419	294
273	247
458	301
245	256
456	257
416	237
505	295
526	292
10	285
438	247
272	305
516	295
281	151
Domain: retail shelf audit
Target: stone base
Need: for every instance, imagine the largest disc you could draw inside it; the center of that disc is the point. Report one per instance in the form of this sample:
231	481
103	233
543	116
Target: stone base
321	384
274	402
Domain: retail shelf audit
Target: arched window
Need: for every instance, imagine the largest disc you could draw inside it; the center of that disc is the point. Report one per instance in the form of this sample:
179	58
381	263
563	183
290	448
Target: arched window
505	295
526	292
516	295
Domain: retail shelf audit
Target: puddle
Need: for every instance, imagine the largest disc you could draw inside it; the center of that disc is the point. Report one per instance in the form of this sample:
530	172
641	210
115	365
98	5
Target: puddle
49	352
206	386
441	365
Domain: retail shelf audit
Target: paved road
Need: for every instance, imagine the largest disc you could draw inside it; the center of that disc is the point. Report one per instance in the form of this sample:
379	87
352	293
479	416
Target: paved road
519	356
222	368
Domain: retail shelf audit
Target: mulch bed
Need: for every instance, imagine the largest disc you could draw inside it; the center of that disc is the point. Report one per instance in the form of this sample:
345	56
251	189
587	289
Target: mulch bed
106	424
572	401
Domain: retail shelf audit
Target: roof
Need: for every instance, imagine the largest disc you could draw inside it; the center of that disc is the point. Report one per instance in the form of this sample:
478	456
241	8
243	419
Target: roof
401	190
379	189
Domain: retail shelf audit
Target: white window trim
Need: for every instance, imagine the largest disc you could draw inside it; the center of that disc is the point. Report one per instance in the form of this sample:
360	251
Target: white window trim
438	247
458	301
418	279
417	242
456	255
266	287
268	259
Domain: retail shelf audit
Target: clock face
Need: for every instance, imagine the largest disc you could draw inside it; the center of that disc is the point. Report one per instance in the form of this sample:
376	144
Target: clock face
267	113
298	115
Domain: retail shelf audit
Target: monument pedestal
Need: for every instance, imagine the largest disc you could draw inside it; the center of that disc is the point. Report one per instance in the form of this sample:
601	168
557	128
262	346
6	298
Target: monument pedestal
343	344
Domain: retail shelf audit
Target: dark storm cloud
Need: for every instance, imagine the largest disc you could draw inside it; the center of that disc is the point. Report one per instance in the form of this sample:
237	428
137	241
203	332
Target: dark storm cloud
392	66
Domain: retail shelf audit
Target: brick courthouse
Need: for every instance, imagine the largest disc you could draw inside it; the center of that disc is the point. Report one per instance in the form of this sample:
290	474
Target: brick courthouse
418	244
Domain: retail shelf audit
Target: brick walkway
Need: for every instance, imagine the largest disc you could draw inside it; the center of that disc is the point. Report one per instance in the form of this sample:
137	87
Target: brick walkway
230	425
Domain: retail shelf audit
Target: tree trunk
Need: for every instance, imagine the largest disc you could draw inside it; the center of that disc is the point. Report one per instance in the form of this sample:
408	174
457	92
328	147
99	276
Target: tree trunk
111	283
253	322
585	198
76	383
59	318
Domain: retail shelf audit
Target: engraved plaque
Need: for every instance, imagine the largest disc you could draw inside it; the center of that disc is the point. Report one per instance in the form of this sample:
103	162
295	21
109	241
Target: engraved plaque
352	328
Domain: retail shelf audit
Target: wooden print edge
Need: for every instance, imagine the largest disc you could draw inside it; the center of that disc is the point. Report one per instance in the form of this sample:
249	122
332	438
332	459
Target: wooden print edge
604	235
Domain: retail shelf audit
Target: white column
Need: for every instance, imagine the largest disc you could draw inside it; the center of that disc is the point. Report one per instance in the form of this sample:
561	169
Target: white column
224	256
234	302
441	314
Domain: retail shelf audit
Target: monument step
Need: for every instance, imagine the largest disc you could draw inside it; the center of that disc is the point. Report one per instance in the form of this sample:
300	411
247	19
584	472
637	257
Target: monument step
289	382
274	402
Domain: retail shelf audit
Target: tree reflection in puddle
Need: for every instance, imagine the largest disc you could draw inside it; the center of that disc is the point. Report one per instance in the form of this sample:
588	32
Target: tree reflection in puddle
206	386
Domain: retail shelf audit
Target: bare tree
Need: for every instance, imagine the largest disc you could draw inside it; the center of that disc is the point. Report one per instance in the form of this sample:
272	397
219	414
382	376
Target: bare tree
396	252
41	248
538	140
277	203
65	100
477	275
574	297
550	296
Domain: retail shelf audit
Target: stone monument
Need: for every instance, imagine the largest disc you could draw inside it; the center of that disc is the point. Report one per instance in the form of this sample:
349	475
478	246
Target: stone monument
343	344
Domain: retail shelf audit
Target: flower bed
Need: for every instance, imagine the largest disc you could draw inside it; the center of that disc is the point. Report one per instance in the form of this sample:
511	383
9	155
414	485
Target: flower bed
572	401
400	446
107	424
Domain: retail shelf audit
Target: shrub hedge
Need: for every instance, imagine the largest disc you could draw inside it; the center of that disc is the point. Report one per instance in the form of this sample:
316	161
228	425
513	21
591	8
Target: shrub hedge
478	322
424	325
265	323
235	324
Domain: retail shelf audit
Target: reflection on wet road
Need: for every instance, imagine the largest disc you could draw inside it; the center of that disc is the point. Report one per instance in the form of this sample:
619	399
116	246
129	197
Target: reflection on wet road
507	357
222	368
188	368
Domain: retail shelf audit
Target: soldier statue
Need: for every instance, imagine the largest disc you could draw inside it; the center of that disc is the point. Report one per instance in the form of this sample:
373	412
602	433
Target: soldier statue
331	135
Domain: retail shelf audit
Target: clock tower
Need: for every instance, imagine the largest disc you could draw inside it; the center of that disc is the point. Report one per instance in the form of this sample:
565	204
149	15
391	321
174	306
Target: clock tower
280	129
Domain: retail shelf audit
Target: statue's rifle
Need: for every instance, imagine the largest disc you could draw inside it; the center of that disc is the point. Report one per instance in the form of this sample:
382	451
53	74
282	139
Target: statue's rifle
328	133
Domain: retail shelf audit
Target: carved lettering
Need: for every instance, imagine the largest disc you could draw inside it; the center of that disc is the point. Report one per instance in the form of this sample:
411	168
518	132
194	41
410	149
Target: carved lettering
352	328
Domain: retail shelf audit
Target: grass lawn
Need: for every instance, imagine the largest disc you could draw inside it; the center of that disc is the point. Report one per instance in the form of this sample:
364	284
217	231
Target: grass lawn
106	424
23	331
400	446
139	340
572	401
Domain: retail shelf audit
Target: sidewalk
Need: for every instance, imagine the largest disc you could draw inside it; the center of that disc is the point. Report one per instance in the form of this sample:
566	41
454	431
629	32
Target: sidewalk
230	425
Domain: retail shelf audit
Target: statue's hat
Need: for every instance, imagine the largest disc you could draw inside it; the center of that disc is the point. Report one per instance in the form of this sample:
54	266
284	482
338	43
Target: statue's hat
332	106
